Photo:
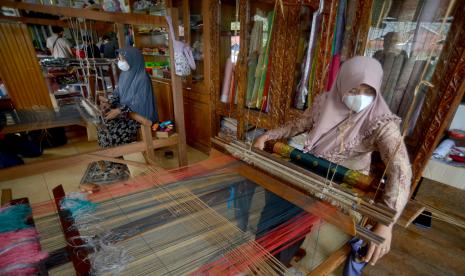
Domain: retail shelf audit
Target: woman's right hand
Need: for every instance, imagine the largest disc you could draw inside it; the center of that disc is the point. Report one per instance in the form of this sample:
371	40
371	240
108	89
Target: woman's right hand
104	104
260	142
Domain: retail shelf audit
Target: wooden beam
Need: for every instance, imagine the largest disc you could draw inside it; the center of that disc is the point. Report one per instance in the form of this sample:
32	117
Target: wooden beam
410	213
60	163
318	208
332	262
7	196
121	35
36	21
117	17
147	138
98	26
178	99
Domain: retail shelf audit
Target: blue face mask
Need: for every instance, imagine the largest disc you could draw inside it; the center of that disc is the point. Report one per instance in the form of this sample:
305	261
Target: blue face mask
123	65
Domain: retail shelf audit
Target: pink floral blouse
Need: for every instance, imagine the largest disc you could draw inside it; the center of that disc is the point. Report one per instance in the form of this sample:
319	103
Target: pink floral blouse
384	139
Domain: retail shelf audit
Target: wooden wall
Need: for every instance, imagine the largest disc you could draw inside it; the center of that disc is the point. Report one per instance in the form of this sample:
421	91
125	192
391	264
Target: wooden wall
20	70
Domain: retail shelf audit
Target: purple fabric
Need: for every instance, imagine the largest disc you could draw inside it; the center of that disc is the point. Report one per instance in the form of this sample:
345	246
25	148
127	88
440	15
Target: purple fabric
353	267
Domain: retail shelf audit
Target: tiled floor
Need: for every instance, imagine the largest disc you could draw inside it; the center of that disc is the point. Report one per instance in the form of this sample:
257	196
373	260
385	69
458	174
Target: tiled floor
38	187
408	248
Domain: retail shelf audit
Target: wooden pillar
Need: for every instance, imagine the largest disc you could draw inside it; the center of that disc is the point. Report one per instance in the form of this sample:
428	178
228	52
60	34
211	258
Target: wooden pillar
20	69
440	105
121	35
178	100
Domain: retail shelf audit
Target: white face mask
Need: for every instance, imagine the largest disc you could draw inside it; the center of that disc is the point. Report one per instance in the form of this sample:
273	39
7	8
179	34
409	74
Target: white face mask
123	65
358	102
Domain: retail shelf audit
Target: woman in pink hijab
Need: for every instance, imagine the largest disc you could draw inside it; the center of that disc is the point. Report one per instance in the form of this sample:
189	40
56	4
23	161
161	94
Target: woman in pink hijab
348	123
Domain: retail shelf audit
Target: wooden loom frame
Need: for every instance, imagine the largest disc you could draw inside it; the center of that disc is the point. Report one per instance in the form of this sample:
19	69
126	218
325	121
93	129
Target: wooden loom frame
110	154
148	145
277	186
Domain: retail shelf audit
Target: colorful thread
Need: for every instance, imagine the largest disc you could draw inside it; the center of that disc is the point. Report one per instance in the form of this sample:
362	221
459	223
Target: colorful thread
14	217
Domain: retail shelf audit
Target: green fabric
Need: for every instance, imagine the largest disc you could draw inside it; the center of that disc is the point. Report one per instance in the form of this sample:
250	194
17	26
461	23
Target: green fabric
251	68
311	80
264	68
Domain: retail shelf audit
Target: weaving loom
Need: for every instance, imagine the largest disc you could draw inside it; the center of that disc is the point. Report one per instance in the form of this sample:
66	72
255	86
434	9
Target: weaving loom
208	218
204	224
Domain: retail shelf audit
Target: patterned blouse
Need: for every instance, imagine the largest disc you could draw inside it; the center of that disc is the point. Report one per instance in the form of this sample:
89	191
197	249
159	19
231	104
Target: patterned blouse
384	139
120	130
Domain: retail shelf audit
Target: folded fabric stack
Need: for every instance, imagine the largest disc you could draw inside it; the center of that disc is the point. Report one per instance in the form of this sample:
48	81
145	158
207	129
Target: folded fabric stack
298	141
450	153
228	128
252	134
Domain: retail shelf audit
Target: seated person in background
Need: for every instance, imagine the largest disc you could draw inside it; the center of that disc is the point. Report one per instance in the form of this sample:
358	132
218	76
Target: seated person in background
348	123
58	45
133	94
109	46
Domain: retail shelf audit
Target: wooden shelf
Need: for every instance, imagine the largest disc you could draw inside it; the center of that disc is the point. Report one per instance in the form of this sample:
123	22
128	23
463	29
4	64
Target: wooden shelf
254	117
155	55
223	109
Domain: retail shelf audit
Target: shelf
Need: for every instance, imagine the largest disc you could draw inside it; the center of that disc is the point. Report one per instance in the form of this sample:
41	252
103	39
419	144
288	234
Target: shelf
160	79
223	109
154	55
152	33
253	117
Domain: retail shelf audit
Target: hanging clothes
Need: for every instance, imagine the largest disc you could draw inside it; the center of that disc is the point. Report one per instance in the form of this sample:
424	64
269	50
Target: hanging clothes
302	88
228	72
337	44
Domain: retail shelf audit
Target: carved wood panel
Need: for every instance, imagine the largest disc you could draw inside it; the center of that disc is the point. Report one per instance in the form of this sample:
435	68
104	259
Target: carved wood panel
290	59
214	11
440	105
363	22
353	15
325	45
241	65
277	52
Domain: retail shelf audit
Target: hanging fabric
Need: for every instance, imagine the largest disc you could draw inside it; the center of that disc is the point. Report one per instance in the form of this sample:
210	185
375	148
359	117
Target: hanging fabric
302	91
228	72
183	57
265	68
255	58
337	45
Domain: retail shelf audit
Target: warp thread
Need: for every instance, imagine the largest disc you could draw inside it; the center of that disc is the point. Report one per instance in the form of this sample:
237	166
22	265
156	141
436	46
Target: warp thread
14	217
105	257
78	205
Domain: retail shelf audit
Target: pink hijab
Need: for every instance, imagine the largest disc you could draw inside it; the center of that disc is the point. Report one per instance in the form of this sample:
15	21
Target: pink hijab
333	124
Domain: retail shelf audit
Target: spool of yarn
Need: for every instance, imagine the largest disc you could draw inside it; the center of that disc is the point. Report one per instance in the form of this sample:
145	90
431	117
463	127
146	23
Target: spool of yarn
20	252
14	217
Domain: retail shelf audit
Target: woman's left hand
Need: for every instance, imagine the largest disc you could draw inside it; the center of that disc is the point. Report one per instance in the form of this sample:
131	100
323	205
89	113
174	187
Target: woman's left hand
376	252
115	112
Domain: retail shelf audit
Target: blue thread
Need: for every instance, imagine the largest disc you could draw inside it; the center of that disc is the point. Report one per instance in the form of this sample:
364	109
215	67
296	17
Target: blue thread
231	196
14	217
78	205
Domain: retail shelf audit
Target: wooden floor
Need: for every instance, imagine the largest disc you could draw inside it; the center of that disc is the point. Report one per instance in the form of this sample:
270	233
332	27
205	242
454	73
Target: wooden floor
436	251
